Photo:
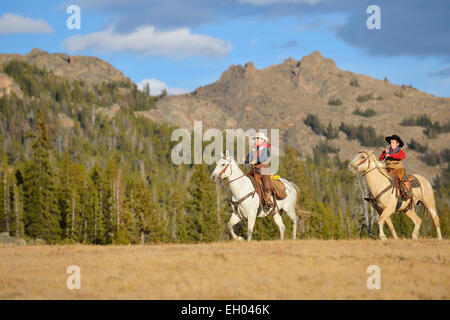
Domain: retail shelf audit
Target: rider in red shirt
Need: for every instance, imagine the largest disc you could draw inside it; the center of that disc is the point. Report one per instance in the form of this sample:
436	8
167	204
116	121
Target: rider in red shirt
393	156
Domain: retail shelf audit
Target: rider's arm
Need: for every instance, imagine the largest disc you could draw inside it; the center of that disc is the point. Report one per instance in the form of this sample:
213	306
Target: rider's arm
383	155
399	155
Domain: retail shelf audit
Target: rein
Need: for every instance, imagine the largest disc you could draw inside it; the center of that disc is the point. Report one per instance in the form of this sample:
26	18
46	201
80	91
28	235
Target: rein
231	169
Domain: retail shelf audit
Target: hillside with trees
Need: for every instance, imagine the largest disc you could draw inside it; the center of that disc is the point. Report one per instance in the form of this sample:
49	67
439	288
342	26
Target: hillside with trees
78	164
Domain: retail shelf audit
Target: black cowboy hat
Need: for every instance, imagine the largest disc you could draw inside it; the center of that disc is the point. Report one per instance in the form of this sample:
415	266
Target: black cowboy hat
395	137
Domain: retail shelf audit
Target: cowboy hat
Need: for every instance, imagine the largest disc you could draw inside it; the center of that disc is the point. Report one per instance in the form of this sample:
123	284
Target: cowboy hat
395	137
260	135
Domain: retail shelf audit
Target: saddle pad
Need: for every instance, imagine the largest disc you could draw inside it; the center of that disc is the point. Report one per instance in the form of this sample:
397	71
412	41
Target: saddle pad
414	182
279	189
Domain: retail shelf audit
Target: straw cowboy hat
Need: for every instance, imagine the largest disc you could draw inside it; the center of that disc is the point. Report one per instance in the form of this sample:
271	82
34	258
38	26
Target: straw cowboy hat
395	137
260	135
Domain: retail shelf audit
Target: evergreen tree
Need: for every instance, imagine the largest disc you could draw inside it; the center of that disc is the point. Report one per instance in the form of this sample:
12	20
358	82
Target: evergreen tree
149	223
201	207
41	215
98	184
5	207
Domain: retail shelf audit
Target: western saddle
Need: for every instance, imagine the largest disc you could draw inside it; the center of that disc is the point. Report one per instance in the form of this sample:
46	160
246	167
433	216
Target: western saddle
278	189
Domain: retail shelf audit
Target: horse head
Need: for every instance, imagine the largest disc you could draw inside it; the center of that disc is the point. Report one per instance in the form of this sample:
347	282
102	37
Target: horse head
223	168
362	162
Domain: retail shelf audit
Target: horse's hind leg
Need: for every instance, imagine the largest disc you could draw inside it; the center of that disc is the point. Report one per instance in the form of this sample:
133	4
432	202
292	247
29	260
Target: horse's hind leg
391	227
430	205
417	222
295	221
231	223
279	222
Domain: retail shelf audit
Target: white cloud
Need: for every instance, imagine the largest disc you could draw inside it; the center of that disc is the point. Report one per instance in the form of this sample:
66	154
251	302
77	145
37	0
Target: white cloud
267	2
13	23
157	86
145	40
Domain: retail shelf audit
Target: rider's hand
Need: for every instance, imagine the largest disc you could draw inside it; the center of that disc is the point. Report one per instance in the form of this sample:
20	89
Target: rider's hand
253	162
386	150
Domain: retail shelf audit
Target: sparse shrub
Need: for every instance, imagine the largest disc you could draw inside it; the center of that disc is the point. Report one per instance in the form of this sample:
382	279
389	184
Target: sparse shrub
354	83
433	158
366	113
313	122
334	102
432	129
325	148
318	128
364	98
399	94
416	146
331	132
365	135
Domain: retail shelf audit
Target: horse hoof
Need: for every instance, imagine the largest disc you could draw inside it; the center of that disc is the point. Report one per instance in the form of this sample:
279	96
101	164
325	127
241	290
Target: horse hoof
240	239
383	238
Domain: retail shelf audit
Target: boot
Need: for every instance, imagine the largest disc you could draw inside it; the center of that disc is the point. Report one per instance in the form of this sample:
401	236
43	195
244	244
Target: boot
268	199
397	187
406	189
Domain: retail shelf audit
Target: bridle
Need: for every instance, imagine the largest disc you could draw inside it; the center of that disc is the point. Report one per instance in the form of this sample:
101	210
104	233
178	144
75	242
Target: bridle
364	160
231	169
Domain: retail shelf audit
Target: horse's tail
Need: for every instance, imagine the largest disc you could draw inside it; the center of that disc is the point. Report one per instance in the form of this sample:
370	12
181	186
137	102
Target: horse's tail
298	210
296	189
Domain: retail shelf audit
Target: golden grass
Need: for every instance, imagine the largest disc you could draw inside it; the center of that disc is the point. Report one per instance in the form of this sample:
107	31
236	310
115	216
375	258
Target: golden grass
302	269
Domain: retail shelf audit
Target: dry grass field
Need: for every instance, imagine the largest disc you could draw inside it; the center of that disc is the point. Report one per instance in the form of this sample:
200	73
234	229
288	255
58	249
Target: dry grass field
302	269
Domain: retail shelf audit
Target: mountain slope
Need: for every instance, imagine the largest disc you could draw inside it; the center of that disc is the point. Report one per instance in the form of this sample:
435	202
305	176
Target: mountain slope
281	96
89	69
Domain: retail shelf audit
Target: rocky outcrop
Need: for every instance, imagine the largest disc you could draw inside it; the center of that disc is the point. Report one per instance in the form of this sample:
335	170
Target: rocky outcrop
88	69
8	240
280	96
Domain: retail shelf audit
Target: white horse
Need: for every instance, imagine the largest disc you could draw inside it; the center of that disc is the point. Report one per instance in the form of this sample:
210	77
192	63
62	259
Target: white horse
247	200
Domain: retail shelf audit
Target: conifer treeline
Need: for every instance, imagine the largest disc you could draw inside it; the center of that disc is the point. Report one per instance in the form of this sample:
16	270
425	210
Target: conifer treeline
109	179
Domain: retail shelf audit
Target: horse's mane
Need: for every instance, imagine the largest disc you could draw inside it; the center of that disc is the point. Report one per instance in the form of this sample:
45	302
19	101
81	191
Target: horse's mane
380	165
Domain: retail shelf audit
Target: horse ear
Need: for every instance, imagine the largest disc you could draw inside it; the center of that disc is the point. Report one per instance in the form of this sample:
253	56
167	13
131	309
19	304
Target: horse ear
227	154
221	154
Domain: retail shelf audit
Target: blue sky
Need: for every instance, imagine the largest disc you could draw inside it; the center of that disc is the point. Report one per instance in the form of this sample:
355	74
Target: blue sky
181	45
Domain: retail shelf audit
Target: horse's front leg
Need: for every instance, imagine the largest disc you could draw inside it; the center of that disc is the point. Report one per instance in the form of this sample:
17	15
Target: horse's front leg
231	223
383	217
391	227
279	222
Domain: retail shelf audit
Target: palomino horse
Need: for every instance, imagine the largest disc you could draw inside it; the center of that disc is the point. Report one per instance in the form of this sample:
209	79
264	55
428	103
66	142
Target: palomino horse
247	200
378	182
